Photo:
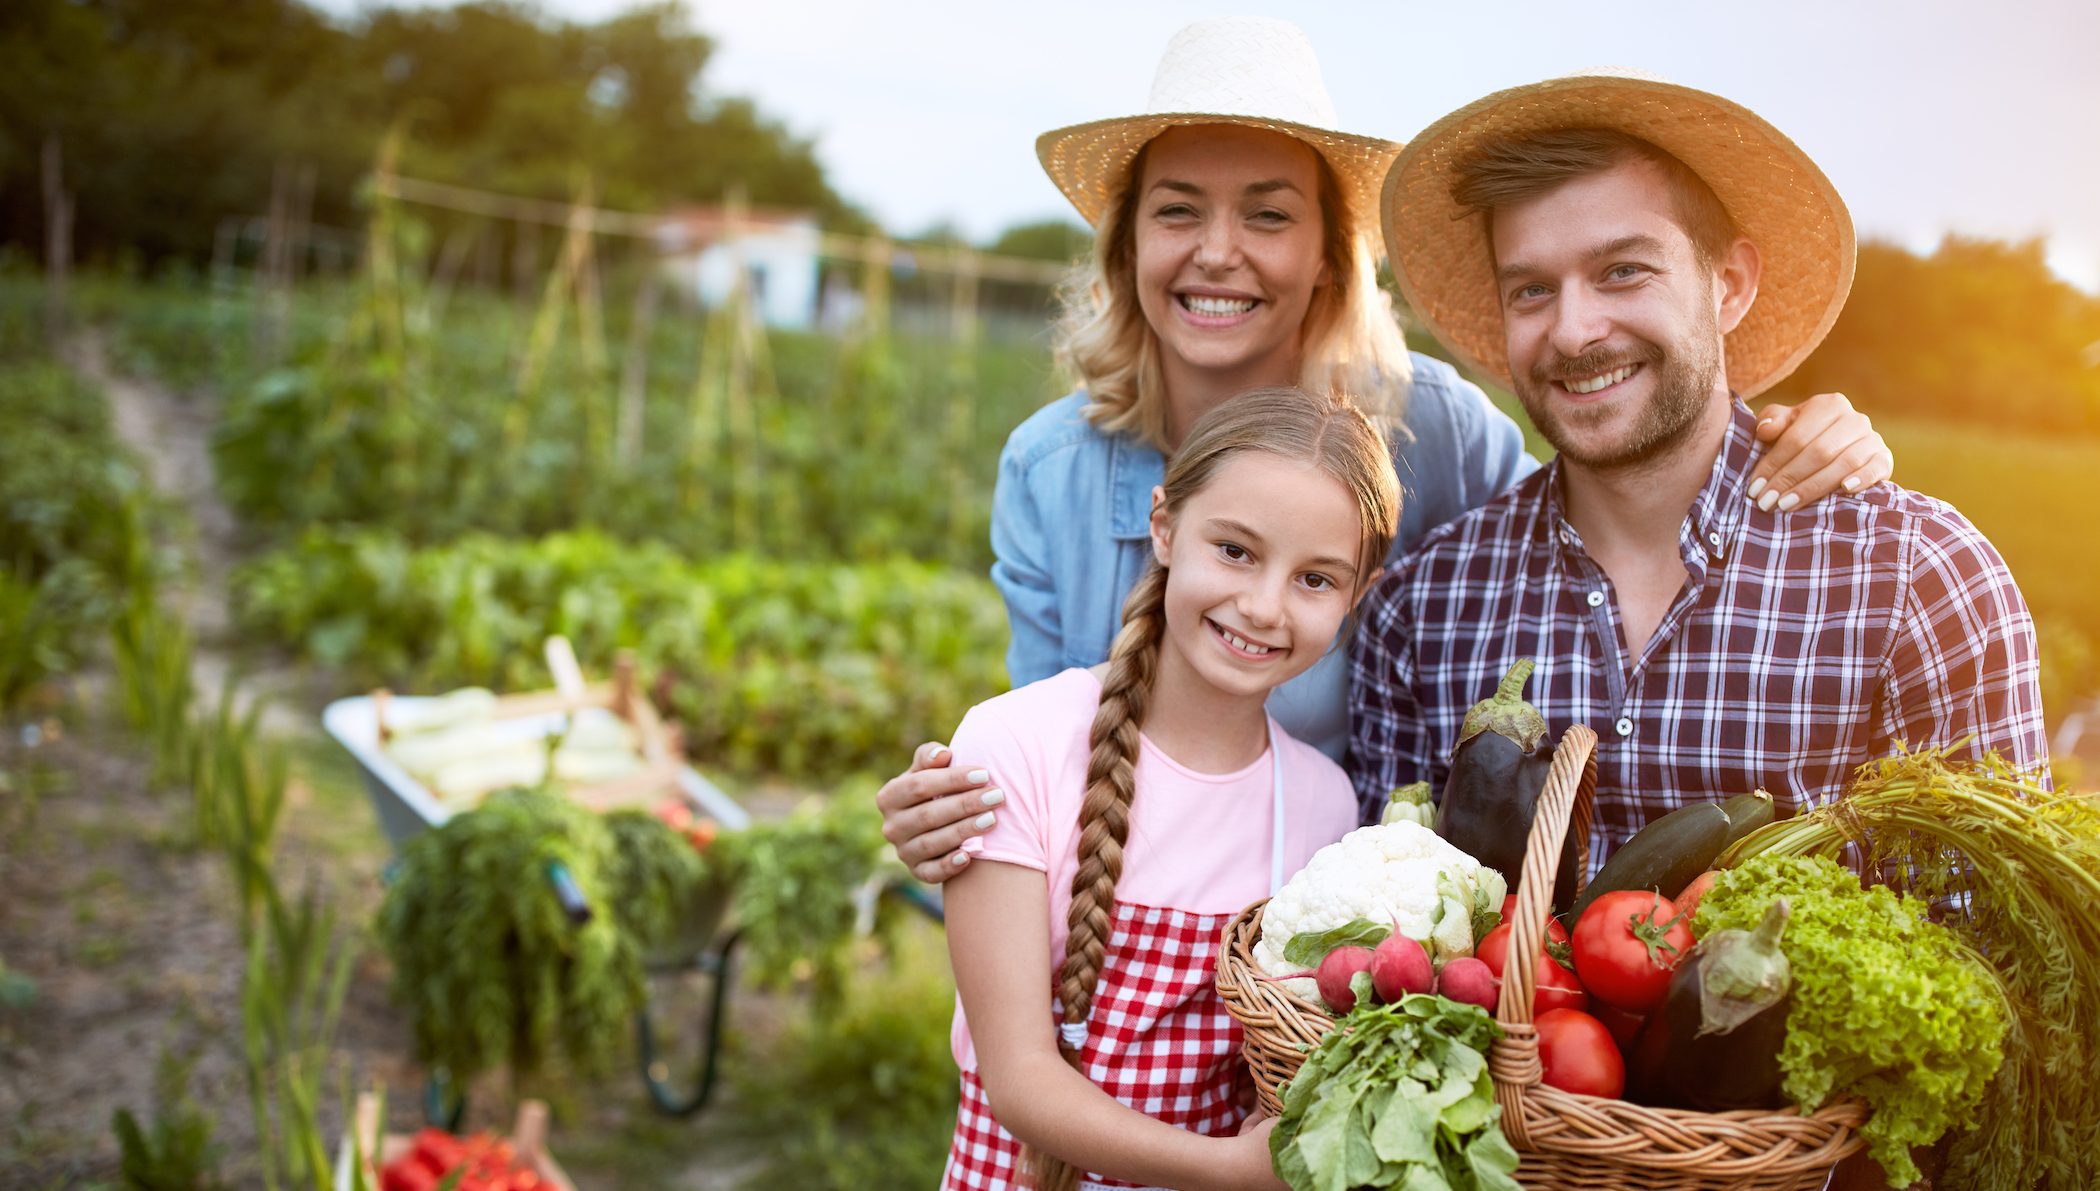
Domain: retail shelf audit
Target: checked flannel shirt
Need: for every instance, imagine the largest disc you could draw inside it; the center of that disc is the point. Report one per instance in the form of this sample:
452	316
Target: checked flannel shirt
1802	645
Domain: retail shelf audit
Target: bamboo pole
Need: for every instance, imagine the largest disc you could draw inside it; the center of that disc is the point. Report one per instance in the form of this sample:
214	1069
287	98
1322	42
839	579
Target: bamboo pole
58	238
634	367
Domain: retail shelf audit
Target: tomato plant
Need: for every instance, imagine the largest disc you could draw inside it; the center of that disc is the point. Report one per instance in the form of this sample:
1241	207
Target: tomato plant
1579	1055
1627	944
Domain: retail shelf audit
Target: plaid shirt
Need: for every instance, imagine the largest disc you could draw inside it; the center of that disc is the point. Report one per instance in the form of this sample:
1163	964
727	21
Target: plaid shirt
1802	645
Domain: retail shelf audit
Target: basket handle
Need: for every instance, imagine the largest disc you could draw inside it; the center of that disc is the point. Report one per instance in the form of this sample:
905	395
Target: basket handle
1564	807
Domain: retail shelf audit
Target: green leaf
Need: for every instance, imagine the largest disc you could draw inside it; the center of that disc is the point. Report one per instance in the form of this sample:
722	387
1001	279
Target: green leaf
1309	948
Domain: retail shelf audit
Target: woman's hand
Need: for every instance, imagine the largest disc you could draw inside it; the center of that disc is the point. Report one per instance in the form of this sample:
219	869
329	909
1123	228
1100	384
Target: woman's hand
931	808
1817	448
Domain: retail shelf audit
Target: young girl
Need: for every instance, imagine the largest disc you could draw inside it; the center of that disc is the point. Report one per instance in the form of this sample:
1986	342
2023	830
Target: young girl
1151	798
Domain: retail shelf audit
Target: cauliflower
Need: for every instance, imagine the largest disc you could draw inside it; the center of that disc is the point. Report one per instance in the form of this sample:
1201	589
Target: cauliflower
1391	874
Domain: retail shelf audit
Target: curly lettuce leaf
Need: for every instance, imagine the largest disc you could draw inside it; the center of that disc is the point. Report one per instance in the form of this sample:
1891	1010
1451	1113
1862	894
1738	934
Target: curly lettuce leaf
1887	1006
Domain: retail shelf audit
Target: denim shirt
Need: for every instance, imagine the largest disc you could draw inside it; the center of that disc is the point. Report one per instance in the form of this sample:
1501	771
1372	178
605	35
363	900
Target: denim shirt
1071	517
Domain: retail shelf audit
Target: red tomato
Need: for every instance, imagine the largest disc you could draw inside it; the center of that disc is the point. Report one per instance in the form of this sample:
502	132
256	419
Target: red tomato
1626	946
1579	1055
1553	986
407	1174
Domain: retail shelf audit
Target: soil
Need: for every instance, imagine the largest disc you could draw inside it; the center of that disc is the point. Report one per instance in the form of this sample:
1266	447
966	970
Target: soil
129	935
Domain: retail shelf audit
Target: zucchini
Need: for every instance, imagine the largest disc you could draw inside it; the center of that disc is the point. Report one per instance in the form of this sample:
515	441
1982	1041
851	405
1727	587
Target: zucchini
1747	813
1663	856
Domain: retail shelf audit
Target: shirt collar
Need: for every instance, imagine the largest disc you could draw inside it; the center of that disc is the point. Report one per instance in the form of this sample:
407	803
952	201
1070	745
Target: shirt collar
1135	468
1716	513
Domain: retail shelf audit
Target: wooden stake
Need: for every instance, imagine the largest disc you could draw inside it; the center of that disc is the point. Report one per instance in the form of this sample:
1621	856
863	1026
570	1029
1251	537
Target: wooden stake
634	366
58	238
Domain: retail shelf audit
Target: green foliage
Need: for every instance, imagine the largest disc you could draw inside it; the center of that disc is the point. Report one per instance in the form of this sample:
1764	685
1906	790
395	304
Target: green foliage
1887	1006
798	883
1979	332
653	874
177	1155
1397	1095
489	967
496	94
861	1093
801	669
795	445
74	523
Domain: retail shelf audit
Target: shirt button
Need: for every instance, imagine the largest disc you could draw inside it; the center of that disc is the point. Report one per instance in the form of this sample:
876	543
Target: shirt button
1714	540
1624	726
1596	598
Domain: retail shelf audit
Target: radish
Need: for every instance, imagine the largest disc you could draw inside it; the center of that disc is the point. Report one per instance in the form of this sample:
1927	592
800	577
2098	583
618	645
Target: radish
1336	977
1471	981
1400	966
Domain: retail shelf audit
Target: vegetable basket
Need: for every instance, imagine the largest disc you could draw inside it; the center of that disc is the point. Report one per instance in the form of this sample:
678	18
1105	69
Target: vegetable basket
1565	1141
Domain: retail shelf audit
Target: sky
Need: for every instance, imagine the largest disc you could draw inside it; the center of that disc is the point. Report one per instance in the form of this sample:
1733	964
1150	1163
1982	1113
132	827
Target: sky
1929	115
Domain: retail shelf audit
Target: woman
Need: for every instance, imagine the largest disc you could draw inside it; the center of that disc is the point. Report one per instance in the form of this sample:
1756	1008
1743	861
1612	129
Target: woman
1235	240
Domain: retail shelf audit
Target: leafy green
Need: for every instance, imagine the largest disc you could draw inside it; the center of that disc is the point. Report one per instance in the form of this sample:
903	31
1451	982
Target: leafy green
1397	1096
486	962
1887	1006
2020	866
798	884
1307	948
810	670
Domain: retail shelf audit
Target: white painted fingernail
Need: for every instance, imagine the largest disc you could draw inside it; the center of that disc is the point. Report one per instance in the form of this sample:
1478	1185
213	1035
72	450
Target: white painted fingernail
959	859
1756	486
987	819
993	797
936	753
979	777
1787	502
1765	502
1851	484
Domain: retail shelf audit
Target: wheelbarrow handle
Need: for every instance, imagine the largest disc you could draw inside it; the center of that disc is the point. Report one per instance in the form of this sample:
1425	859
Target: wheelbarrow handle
568	893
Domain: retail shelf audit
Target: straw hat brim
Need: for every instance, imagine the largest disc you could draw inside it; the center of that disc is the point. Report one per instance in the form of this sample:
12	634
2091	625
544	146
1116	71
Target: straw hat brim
1090	162
1777	196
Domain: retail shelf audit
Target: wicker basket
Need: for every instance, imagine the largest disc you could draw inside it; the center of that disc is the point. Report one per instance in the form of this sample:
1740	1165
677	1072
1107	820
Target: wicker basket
1567	1142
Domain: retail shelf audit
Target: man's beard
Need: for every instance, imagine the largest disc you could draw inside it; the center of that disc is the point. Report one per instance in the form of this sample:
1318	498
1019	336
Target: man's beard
1683	386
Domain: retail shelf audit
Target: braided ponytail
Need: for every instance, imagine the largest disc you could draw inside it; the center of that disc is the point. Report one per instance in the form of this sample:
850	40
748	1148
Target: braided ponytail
1104	825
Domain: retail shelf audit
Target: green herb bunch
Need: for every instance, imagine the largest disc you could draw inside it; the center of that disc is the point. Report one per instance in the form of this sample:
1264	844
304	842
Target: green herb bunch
798	888
1888	1007
486	962
1397	1096
653	873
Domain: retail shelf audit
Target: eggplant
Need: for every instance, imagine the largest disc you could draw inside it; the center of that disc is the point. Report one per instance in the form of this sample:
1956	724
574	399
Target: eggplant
1498	769
1725	1019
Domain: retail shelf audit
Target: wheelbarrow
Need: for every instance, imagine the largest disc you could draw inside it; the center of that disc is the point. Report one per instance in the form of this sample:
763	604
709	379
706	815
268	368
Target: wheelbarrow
406	808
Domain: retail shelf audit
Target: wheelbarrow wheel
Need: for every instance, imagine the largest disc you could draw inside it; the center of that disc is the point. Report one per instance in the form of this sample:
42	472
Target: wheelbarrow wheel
681	1083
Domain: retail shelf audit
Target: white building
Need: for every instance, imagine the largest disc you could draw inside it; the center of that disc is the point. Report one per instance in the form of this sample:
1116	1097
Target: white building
775	251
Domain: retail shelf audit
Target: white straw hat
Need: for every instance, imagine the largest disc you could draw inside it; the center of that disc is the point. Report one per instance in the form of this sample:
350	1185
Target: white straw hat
1777	196
1250	71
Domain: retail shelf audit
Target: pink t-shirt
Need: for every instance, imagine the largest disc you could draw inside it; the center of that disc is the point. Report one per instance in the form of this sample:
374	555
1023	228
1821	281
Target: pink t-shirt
1199	842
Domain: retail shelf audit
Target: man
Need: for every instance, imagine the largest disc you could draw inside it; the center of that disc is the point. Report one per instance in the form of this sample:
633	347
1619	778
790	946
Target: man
1634	258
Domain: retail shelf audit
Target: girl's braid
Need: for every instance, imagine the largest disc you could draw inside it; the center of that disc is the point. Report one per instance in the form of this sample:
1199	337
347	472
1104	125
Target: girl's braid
1104	822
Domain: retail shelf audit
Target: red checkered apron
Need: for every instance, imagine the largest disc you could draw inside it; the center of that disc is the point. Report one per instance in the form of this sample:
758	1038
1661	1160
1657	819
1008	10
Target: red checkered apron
1159	1040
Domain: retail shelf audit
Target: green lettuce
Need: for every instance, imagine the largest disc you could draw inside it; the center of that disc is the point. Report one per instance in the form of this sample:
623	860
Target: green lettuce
1397	1096
1887	1007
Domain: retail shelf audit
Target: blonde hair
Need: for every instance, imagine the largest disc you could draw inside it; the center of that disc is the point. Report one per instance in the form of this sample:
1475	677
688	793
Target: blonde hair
1327	431
1351	343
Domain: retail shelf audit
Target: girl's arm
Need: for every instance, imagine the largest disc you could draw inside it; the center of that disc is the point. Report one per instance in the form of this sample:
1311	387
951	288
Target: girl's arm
999	945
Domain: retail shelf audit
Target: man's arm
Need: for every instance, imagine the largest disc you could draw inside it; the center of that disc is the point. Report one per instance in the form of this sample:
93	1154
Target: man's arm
1389	742
1963	663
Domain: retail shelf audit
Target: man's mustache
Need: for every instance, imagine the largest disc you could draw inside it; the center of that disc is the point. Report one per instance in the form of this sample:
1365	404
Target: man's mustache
1593	363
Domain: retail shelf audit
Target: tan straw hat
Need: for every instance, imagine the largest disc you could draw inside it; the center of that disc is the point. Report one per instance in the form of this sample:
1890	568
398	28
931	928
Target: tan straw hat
1776	195
1251	71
